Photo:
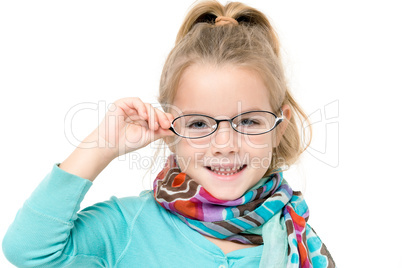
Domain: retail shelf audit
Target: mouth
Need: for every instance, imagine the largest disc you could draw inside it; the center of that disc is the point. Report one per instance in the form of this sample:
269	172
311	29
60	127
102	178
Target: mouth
226	171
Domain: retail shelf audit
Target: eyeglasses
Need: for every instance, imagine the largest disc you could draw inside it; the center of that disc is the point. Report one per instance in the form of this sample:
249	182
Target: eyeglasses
195	126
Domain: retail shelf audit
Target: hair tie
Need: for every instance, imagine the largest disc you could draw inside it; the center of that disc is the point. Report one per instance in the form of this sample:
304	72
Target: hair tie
222	20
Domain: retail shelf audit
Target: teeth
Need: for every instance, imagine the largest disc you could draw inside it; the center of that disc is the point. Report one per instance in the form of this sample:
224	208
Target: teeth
225	171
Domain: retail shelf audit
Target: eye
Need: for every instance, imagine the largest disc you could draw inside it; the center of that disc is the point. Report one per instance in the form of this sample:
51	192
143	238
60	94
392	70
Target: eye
249	122
197	125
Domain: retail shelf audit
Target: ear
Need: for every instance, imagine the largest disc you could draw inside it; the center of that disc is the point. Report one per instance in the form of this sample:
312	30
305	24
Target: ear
280	130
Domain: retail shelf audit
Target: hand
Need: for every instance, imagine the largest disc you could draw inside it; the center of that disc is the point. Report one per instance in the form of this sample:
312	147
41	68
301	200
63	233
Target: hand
131	124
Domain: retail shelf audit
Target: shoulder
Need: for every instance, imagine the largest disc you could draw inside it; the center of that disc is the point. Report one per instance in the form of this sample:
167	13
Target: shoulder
135	203
118	209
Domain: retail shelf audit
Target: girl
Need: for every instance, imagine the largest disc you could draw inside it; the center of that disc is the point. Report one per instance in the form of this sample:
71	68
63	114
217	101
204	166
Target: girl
221	199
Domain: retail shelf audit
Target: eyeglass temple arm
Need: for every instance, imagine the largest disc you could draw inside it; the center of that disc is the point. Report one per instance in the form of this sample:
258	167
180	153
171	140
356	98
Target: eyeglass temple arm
282	117
279	119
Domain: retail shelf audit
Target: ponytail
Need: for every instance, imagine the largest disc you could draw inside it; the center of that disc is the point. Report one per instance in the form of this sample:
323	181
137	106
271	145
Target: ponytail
208	11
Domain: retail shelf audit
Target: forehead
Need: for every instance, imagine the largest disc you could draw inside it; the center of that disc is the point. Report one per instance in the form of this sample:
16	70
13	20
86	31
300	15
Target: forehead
220	91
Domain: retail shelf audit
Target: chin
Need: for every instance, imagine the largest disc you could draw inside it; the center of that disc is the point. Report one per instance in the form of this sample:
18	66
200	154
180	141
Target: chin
226	195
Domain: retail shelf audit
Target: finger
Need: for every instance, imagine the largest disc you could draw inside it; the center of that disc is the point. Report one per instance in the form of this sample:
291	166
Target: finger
133	106
161	133
170	117
152	117
163	121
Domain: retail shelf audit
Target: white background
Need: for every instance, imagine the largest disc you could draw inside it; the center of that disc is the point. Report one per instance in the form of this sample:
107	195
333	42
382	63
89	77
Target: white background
345	55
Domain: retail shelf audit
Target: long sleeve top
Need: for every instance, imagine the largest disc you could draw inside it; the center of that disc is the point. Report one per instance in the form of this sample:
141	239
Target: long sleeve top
50	231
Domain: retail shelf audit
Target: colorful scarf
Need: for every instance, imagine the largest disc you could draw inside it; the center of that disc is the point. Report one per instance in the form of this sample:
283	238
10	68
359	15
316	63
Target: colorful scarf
270	212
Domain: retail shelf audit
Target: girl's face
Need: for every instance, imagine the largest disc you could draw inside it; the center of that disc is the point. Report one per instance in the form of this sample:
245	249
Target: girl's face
222	93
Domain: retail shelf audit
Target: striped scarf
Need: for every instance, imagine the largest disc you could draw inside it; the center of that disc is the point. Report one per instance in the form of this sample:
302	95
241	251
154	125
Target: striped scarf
262	212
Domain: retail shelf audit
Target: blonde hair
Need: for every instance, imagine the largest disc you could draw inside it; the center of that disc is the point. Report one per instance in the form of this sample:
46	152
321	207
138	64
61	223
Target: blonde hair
252	44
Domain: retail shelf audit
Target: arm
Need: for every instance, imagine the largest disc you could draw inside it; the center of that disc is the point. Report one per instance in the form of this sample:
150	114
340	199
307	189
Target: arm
47	231
88	160
130	125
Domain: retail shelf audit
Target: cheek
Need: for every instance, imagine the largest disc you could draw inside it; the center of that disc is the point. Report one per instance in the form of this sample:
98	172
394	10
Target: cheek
259	150
258	144
189	154
190	147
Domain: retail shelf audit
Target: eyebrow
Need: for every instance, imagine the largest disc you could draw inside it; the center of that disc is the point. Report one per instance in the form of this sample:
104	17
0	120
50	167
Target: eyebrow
206	113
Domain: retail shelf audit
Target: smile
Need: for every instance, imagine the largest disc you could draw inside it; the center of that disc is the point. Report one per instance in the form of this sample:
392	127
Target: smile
226	171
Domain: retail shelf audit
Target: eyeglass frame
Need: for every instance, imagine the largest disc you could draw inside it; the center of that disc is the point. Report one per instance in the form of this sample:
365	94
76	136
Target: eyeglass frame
278	120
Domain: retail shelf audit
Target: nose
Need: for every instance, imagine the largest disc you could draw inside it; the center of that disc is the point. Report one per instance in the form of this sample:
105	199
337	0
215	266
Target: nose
224	140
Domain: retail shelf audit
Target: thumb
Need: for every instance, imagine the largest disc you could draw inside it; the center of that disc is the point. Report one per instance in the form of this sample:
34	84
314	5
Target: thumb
162	133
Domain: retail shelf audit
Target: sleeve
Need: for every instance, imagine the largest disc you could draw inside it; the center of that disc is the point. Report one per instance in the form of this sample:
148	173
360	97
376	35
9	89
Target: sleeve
48	232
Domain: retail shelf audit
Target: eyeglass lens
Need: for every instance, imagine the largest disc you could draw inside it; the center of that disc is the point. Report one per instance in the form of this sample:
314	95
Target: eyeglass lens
247	123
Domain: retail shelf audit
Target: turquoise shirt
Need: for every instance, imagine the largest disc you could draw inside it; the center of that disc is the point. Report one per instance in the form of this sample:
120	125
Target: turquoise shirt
48	231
